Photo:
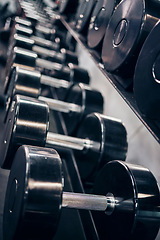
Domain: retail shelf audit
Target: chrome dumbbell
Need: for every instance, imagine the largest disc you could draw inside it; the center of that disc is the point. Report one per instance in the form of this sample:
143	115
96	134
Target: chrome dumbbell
125	204
100	138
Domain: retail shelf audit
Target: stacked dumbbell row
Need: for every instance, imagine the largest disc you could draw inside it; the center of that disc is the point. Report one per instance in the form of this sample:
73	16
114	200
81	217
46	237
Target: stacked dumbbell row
87	102
81	100
131	196
127	41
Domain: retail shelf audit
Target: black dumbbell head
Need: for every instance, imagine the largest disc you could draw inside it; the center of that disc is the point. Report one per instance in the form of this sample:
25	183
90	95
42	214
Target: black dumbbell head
34	195
24	82
88	99
137	195
27	123
22	41
110	137
23	56
147	76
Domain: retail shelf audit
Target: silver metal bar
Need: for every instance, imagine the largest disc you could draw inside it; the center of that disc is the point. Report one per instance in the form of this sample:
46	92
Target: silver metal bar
84	201
45	43
48	64
47	52
23	21
54	82
68	142
44	29
61	106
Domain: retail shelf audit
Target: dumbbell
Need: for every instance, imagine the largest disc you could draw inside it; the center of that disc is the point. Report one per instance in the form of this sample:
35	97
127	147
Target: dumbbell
147	76
17	39
29	59
59	39
99	20
57	56
129	26
25	27
83	15
27	35
99	138
78	102
125	203
34	13
26	82
55	44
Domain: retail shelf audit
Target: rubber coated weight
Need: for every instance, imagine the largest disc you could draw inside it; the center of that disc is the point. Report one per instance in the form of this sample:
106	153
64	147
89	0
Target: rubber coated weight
137	195
128	27
99	20
83	15
25	214
89	101
147	76
111	136
35	127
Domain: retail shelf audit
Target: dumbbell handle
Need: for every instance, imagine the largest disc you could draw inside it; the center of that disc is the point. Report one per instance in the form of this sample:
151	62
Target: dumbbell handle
88	201
54	82
68	142
33	40
42	63
47	52
61	105
45	43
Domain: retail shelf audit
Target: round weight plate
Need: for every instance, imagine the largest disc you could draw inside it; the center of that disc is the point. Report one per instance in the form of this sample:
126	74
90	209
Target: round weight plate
99	21
33	196
147	76
27	123
88	99
137	198
122	34
83	15
110	138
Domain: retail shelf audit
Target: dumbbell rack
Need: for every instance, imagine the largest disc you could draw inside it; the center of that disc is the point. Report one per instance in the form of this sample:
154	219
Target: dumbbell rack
81	225
118	83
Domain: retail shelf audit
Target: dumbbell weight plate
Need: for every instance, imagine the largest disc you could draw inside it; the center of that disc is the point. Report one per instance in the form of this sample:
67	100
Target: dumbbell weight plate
136	192
83	15
127	30
13	136
147	76
23	196
89	101
99	21
103	131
